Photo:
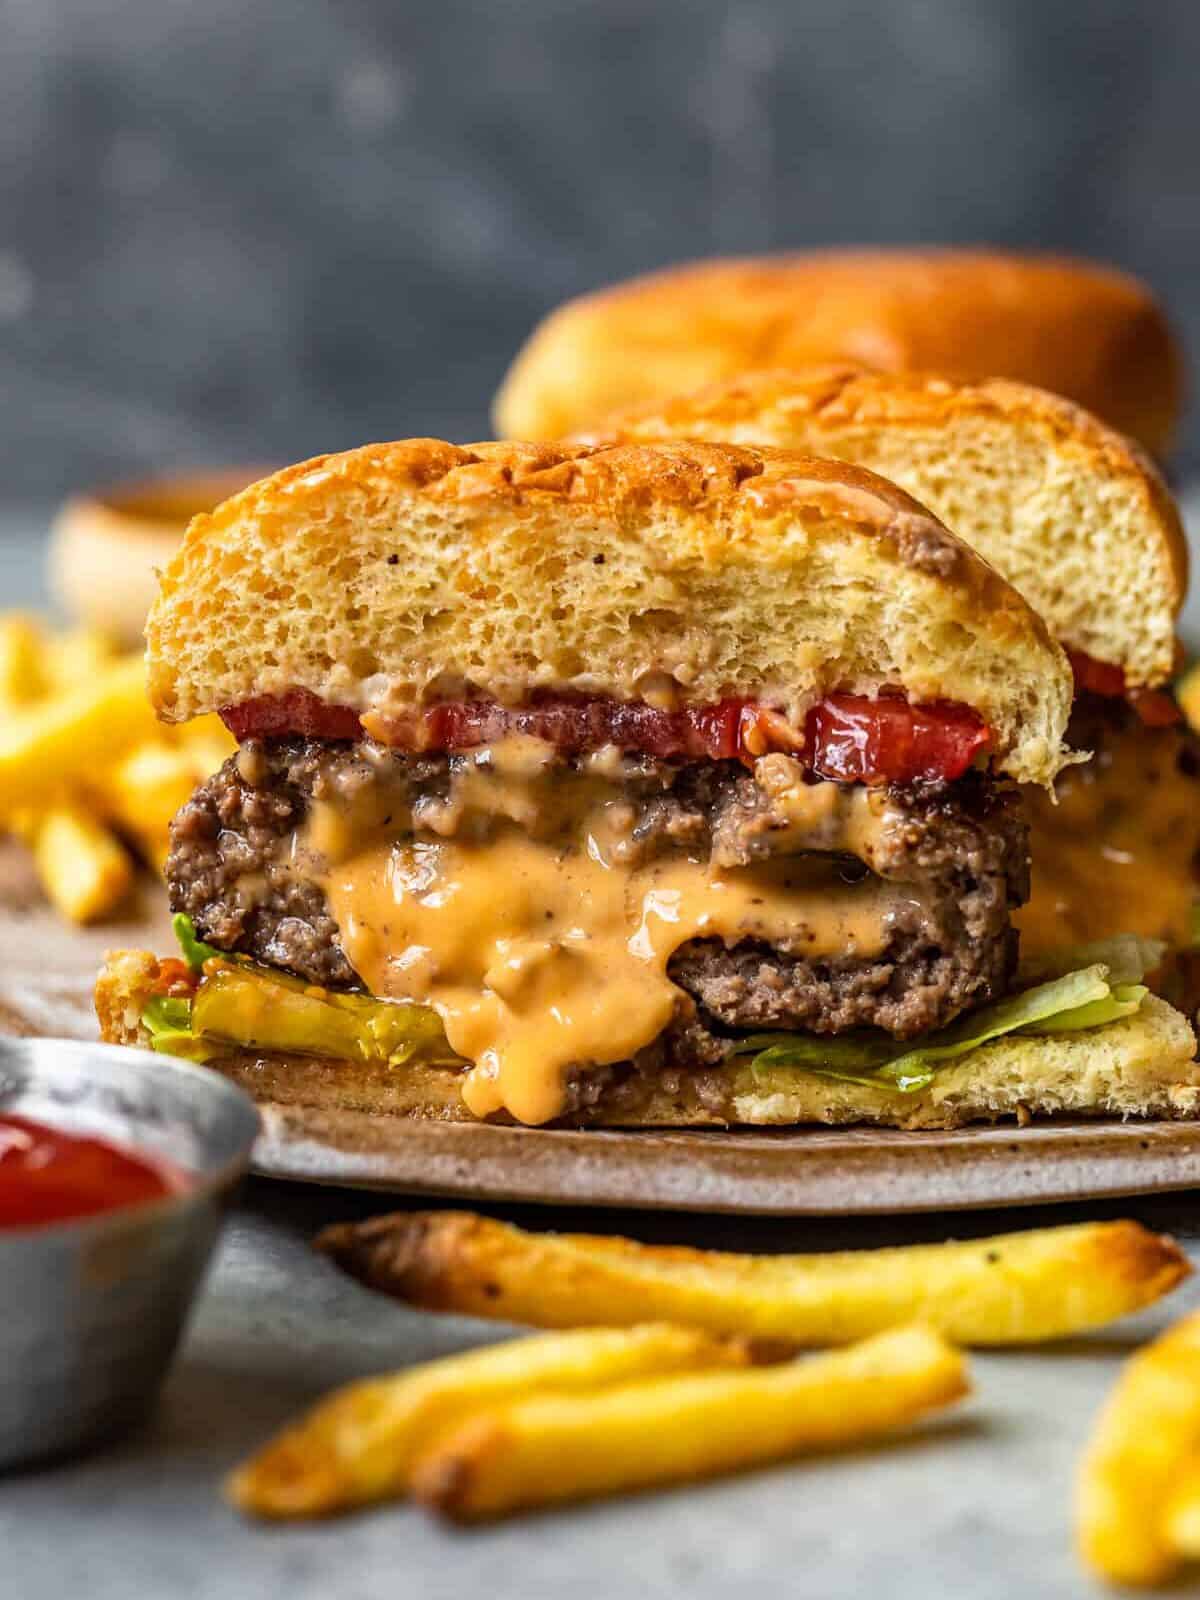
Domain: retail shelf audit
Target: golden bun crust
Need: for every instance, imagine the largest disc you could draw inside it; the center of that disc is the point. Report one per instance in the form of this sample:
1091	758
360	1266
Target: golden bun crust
1082	330
1074	514
399	574
1139	1067
108	548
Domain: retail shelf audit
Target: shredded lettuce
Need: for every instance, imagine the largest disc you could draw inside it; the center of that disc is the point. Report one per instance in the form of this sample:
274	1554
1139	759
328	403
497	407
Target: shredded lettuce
1078	1000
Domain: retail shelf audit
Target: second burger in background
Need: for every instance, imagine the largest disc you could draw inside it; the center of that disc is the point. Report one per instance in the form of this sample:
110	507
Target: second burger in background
1080	329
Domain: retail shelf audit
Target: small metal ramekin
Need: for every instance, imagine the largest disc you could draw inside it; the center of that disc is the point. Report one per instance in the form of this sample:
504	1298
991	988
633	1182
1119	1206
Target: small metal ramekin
91	1311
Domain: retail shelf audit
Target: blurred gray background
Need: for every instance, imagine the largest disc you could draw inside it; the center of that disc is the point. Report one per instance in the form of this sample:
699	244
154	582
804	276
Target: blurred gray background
256	229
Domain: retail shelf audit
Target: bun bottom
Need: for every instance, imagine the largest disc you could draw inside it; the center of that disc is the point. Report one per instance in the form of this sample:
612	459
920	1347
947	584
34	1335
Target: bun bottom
1142	1066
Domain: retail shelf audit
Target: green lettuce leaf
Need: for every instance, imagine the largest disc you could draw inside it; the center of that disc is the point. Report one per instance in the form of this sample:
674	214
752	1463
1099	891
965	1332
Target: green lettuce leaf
1075	1001
195	951
1128	957
168	1021
1123	1001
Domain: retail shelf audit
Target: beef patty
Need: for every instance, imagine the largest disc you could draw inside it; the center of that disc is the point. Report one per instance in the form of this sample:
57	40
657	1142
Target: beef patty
962	848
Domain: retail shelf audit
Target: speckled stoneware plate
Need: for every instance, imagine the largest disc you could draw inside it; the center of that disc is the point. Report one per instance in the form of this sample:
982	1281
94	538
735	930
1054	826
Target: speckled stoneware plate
801	1172
46	975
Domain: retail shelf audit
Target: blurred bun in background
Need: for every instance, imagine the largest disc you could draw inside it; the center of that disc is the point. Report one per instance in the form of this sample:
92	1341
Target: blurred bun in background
1086	331
107	547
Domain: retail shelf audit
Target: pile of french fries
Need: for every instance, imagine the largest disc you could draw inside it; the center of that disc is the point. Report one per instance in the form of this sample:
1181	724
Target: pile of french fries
89	780
596	1411
674	1364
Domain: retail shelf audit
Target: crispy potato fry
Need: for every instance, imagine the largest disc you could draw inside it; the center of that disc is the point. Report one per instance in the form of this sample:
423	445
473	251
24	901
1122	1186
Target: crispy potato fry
360	1444
1132	1516
146	788
82	867
70	737
75	658
208	744
1181	1522
1010	1289
555	1448
23	668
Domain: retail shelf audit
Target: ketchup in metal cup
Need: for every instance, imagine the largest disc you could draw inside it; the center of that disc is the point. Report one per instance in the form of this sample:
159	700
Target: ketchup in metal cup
50	1175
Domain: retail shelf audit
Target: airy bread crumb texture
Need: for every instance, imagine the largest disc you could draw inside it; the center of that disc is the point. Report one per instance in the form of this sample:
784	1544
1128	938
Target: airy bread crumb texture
1140	1067
1071	512
397	574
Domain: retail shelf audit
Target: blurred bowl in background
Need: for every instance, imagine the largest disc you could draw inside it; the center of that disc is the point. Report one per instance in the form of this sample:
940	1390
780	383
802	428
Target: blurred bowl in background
91	1310
107	547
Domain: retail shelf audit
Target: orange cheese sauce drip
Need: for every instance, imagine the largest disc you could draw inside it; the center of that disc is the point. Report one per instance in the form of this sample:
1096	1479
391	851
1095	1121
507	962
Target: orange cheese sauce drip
543	954
1117	853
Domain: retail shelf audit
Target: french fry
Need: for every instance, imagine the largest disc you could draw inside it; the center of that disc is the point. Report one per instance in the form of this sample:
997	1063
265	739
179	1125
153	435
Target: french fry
70	737
23	674
1011	1289
82	867
146	788
361	1443
1133	1517
555	1448
1181	1523
76	657
208	744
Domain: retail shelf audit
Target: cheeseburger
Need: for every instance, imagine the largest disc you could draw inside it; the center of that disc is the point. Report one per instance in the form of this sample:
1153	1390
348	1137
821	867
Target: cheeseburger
670	783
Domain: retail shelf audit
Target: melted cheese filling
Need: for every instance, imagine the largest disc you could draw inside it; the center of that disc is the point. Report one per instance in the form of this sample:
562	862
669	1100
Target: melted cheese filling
542	949
1117	853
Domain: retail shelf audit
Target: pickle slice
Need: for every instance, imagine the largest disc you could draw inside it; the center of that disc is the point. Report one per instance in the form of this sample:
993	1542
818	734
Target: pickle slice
248	1006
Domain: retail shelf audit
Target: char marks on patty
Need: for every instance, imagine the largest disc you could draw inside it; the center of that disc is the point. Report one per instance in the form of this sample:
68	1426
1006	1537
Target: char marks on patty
962	848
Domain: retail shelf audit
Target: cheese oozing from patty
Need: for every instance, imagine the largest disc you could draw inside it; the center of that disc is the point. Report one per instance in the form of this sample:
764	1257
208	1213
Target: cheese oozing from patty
540	946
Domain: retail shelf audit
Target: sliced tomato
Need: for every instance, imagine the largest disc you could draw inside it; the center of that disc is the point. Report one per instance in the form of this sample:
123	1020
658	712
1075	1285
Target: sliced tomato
1156	707
271	716
847	737
854	739
574	723
1096	677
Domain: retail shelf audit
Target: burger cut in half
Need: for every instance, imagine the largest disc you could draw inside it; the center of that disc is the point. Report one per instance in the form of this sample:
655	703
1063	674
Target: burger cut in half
671	783
1079	520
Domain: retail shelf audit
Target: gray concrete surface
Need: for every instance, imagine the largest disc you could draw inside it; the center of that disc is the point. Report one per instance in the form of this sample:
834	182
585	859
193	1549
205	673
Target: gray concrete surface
976	1506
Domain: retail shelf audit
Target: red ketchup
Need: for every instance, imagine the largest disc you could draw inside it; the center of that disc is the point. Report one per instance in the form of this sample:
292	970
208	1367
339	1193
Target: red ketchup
49	1175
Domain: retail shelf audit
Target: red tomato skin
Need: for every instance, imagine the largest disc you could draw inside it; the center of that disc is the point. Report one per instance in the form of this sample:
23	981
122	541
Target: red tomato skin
849	738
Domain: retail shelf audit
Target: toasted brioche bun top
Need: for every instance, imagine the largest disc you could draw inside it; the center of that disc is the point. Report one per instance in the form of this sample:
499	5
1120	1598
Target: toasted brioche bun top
1088	332
399	574
1071	512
